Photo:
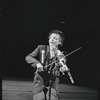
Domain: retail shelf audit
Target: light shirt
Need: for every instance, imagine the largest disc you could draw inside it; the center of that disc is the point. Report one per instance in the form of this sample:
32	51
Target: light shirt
53	52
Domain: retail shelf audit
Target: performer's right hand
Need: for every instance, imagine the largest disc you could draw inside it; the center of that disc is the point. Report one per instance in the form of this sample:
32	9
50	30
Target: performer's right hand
39	67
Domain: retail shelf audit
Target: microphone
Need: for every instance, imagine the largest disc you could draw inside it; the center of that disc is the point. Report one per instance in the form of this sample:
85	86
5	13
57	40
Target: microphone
42	56
70	76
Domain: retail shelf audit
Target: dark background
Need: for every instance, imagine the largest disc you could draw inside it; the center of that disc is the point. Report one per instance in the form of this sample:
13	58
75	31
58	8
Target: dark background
26	24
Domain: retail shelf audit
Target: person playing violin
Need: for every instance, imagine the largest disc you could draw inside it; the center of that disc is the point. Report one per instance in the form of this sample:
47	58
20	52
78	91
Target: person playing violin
43	59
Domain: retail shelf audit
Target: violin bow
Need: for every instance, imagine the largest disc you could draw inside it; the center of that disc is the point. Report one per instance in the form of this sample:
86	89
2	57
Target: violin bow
65	56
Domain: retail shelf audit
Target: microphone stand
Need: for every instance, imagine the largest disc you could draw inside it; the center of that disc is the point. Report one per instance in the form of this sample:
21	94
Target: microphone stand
50	81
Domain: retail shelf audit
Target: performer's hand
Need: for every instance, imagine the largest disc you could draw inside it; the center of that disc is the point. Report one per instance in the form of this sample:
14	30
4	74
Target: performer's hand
39	67
64	68
29	59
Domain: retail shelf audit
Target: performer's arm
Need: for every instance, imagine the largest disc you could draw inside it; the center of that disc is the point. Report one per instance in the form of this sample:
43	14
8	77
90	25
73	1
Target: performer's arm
31	58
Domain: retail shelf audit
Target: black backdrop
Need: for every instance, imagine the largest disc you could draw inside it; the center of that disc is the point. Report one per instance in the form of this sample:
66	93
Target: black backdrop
26	23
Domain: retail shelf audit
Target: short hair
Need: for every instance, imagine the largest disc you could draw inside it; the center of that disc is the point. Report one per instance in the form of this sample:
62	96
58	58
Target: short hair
60	33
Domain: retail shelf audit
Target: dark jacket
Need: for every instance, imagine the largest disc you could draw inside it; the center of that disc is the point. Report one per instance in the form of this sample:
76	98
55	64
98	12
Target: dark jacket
42	79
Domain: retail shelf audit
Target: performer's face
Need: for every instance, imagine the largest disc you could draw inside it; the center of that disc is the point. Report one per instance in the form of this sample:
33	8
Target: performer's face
54	39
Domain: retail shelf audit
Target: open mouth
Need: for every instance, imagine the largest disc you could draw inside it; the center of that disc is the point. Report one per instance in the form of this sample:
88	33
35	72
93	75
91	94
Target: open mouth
52	42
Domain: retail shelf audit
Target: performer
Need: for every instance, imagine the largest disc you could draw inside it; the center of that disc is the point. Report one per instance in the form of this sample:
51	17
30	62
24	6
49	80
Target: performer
49	63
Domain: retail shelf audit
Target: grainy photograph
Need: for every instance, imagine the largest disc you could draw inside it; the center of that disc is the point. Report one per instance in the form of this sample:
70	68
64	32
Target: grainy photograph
50	50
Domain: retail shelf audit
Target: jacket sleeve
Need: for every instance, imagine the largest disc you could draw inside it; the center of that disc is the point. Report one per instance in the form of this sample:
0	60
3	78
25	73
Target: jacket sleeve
32	57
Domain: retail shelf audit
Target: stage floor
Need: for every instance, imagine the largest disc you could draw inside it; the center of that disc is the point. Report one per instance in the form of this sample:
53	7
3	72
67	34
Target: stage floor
14	89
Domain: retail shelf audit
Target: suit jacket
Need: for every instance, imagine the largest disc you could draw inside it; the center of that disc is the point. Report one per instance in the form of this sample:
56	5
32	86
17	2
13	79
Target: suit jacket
41	80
